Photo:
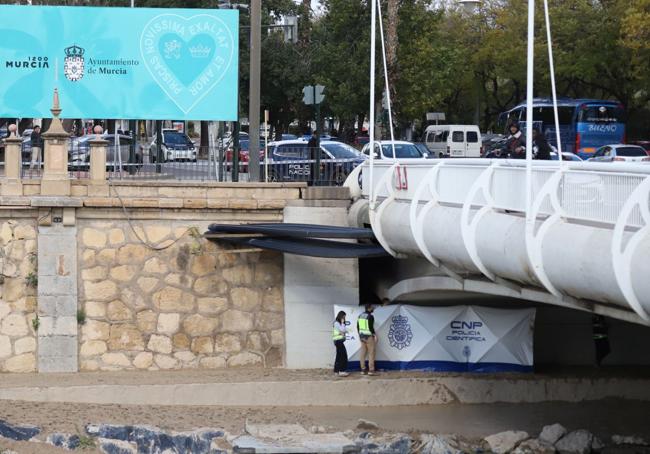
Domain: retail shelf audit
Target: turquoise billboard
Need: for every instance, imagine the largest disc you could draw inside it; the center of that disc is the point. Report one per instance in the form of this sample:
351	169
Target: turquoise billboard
131	63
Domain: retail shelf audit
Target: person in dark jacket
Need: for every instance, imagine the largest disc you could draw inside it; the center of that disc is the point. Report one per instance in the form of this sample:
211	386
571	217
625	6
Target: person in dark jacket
37	147
515	143
543	148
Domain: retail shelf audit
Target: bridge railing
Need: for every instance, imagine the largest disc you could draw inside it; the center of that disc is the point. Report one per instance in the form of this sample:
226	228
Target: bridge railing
586	192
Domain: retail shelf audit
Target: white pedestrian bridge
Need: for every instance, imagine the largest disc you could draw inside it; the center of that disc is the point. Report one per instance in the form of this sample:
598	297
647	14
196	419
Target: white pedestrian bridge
584	241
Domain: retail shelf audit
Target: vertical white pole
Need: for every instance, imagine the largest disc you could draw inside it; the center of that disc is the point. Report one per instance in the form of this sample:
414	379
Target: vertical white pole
371	119
383	54
266	146
552	69
529	109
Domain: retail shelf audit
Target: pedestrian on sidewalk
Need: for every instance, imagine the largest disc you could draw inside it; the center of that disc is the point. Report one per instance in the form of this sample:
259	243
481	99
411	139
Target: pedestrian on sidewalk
368	338
338	336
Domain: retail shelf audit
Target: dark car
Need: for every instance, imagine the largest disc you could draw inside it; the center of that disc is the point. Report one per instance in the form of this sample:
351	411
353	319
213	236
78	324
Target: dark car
244	145
293	160
79	152
643	143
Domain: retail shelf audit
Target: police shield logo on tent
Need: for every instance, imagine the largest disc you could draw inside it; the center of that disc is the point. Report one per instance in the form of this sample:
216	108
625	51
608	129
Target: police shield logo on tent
73	65
399	333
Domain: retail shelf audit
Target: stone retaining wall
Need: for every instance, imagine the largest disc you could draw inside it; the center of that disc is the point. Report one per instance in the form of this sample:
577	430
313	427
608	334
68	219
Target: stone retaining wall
18	295
178	301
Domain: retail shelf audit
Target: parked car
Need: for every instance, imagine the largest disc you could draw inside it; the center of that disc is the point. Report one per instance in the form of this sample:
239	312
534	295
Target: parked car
620	153
642	143
176	146
79	154
244	145
423	149
566	156
293	160
403	150
454	141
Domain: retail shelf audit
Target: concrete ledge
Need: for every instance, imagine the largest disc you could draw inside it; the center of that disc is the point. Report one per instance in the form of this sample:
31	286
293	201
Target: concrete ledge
377	392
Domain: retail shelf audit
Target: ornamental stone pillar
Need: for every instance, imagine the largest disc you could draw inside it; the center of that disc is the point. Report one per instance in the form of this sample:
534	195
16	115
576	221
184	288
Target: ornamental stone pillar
55	180
98	157
12	184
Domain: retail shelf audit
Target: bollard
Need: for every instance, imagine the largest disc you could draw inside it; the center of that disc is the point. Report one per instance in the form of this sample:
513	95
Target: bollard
12	184
98	157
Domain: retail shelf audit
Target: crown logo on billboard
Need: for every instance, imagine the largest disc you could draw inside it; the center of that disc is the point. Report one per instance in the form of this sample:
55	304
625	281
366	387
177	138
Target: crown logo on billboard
200	51
74	51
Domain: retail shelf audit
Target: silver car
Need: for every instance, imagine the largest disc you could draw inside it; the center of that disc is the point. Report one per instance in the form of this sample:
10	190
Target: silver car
620	153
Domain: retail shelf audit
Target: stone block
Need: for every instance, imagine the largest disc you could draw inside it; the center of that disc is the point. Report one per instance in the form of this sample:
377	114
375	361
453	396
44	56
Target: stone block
88	258
57	326
171	299
21	363
118	311
186	358
116	359
160	344
204	264
96	273
123	273
88	365
143	360
99	202
198	325
106	256
100	291
186	192
95	330
59	285
217	204
210	286
244	359
203	344
156	266
98	190
181	341
245	299
147	321
268	273
271	204
116	237
273	300
242	204
157	233
57	364
273	357
125	337
93	238
195	204
227	343
14	289
165	362
24	232
267	321
236	321
258	342
277	337
212	306
25	304
14	325
239	275
5	346
131	254
57	346
212	362
168	323
147	284
170	203
93	348
95	309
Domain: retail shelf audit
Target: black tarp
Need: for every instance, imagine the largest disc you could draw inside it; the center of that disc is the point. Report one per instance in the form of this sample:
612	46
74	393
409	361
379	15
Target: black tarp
300	239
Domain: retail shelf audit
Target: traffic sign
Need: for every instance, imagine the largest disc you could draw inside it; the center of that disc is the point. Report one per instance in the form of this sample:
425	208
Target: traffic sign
313	92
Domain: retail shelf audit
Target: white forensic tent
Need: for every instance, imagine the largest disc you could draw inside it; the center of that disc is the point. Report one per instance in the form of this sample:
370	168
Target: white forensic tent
454	338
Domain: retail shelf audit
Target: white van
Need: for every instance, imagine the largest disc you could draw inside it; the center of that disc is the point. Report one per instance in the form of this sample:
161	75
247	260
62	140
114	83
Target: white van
453	141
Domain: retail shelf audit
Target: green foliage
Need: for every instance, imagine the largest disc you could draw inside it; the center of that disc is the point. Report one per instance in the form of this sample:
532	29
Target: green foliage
36	322
81	317
32	279
86	442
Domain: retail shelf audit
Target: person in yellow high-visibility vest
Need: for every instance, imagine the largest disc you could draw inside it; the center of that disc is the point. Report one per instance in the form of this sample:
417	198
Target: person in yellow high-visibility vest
339	330
368	338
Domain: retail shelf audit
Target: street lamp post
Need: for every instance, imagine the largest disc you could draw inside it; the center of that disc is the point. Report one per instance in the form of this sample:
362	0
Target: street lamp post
254	100
471	7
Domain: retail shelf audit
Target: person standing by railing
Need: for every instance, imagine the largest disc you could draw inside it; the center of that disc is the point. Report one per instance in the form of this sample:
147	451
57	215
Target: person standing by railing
37	146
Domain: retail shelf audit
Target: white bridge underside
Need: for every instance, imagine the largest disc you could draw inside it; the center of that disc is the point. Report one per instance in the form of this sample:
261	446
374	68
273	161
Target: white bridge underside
586	245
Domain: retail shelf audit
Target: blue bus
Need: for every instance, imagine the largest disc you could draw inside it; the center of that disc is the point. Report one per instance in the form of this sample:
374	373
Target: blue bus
585	124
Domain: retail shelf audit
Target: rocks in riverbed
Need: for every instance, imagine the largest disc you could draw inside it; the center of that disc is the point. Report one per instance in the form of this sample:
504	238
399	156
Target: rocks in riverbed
504	442
576	442
534	446
630	440
363	424
551	434
446	444
152	440
66	441
18	433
